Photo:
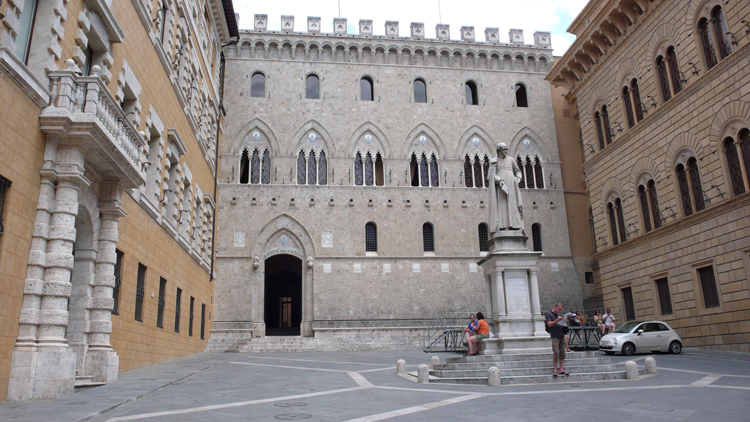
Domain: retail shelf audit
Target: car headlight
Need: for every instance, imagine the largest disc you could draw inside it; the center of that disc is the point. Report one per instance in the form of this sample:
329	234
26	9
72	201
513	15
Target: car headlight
614	341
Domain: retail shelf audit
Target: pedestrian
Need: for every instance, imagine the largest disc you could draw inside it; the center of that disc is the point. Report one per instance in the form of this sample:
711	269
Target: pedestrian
599	321
609	321
553	320
483	332
469	331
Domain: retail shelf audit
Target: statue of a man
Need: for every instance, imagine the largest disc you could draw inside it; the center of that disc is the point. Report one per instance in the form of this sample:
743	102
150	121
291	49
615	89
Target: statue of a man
506	206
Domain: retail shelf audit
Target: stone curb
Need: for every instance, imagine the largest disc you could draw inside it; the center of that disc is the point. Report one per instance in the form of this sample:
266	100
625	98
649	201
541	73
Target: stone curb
717	354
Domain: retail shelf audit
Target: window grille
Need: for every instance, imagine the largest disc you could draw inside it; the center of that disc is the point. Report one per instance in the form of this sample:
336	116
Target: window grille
266	174
428	237
529	174
369	174
468	178
118	283
160	310
4	186
708	285
323	169
434	172
177	311
358	176
140	292
536	235
203	321
665	300
538	173
423	175
483	238
371	237
190	319
301	168
312	167
255	168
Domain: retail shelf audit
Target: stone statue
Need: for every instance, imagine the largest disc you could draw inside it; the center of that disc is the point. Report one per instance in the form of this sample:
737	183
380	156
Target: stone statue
506	206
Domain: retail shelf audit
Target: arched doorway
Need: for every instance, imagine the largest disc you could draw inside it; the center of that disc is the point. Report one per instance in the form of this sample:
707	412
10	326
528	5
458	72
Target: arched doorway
82	280
283	295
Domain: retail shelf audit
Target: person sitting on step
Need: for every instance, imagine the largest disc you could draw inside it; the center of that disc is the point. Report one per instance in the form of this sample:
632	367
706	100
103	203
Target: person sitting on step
483	332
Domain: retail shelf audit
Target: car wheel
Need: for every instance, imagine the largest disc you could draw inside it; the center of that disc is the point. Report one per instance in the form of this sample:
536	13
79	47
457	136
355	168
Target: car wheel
628	349
675	347
610	353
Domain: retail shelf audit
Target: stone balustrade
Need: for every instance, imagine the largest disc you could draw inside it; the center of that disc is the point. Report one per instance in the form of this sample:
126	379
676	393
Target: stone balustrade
82	111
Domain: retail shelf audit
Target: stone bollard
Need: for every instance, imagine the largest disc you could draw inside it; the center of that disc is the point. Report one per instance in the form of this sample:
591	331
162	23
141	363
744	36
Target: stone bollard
400	366
650	366
435	361
631	370
423	374
493	377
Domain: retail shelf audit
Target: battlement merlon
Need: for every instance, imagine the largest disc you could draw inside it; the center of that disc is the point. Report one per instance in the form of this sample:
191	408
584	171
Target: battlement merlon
542	39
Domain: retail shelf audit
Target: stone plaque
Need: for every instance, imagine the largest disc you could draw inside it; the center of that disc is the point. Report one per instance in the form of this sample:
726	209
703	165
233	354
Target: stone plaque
386	268
357	268
517	295
239	239
416	268
444	267
327	268
327	239
554	266
473	267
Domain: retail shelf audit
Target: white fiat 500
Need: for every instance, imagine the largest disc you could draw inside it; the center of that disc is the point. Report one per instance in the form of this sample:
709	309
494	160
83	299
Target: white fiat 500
649	336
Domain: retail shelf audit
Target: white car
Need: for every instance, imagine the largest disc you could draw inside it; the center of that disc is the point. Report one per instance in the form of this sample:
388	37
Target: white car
649	336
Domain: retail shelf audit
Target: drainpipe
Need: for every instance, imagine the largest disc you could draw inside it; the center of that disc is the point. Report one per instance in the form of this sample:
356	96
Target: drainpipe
222	112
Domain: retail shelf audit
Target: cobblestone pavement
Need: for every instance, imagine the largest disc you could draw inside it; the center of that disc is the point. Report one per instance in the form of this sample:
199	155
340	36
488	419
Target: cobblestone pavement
363	387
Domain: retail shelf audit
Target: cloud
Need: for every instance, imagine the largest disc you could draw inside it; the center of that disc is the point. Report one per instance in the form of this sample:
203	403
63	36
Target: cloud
529	15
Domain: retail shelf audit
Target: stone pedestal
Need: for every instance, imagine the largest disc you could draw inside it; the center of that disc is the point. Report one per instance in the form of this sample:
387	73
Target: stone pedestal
41	373
102	365
513	306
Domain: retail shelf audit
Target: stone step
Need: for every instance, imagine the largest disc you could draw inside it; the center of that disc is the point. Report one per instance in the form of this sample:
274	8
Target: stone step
520	372
86	381
521	364
297	344
516	357
535	379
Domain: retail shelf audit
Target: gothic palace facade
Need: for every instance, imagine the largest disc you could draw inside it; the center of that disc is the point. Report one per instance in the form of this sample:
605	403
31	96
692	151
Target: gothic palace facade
353	198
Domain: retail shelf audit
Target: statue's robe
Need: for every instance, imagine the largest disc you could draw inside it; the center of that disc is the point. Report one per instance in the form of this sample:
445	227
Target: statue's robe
506	208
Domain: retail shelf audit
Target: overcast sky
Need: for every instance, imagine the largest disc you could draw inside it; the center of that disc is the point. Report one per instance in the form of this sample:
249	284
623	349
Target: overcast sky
529	15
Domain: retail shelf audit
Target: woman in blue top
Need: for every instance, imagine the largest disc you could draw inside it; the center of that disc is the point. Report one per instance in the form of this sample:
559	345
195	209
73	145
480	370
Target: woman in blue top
471	329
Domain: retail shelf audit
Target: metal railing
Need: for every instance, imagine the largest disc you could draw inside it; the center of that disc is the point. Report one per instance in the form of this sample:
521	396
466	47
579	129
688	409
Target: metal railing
445	333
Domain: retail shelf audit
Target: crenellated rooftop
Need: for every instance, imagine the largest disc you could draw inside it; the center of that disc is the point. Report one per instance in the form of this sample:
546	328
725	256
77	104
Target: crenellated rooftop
542	39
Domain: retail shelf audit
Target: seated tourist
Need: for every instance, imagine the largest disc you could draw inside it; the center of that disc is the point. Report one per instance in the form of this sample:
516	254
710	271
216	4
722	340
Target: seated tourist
483	332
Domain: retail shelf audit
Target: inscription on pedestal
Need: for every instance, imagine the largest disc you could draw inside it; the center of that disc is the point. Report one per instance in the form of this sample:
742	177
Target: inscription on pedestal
517	296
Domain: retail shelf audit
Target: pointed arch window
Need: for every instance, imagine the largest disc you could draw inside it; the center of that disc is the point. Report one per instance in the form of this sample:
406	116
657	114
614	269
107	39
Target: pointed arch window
245	168
414	167
258	85
521	99
428	237
379	170
468	178
434	172
529	174
358	170
536	235
522	183
312	168
420	91
266	171
371	237
323	169
368	170
423	172
539	173
255	168
483	238
477	172
301	168
486	168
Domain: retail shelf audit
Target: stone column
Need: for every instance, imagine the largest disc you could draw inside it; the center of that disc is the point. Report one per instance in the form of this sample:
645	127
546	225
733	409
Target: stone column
307	317
498	294
535	307
101	361
491	313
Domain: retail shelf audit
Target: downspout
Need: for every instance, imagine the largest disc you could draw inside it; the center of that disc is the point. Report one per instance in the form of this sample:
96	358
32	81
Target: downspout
222	112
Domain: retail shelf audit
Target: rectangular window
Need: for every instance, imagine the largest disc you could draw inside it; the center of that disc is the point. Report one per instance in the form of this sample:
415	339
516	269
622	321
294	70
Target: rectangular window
589	277
203	321
665	299
140	292
26	21
627	298
160	311
177	311
4	186
118	283
190	320
708	285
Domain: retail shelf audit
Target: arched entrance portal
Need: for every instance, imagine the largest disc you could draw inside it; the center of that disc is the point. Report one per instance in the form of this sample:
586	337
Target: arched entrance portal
283	295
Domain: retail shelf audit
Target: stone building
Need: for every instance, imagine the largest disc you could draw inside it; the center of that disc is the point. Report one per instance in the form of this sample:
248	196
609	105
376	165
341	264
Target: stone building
108	137
353	199
661	91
